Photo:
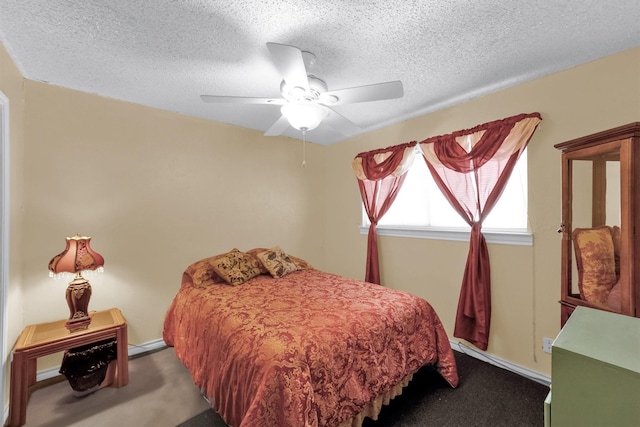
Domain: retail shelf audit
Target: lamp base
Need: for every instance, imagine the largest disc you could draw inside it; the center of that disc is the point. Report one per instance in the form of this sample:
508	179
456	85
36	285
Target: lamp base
77	325
78	294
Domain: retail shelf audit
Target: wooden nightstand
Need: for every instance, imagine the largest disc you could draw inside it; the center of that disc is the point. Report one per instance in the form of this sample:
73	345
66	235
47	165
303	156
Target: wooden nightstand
48	338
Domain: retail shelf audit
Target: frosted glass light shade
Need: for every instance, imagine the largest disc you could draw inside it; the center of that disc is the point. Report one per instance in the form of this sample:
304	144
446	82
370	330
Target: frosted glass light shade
304	115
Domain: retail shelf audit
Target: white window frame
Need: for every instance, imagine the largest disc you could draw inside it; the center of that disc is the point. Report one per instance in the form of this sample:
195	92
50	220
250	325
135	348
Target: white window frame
518	238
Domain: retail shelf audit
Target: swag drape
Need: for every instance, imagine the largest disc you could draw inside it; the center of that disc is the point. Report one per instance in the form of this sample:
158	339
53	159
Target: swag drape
380	174
471	168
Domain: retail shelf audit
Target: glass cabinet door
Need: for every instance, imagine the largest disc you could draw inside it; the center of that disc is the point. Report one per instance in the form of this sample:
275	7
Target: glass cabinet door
599	217
591	227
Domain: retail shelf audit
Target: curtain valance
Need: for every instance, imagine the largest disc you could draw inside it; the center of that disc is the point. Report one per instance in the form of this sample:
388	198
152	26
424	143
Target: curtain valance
470	149
378	164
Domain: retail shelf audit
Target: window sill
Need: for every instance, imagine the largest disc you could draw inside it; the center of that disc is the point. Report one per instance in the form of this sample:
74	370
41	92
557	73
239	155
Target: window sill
502	237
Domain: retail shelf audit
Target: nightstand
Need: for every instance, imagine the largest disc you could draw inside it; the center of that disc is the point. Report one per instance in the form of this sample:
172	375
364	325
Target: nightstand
48	338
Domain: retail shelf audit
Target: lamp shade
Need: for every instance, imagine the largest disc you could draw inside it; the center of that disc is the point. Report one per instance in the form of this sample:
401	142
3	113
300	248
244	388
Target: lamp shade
304	115
77	256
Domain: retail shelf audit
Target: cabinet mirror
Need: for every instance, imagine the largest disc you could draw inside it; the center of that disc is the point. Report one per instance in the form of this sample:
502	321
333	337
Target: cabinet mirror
599	218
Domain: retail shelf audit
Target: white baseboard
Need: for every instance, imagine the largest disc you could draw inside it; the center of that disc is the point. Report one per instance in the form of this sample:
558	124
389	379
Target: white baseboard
496	361
134	350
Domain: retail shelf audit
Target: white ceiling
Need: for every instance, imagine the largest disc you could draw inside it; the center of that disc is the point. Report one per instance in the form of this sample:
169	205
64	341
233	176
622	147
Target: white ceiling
166	53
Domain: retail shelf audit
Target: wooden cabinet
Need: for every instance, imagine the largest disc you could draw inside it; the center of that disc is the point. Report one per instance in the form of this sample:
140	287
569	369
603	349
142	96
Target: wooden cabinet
601	186
595	371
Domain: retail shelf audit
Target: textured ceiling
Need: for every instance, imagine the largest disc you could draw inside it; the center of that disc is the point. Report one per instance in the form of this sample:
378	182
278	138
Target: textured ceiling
165	53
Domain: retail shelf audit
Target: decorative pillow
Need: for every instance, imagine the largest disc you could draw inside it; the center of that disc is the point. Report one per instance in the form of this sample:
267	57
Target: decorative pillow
202	273
300	263
236	267
595	263
254	253
615	233
277	262
613	299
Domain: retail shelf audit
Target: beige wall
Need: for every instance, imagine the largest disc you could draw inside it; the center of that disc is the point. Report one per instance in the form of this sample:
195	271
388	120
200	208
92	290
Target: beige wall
156	191
11	85
526	280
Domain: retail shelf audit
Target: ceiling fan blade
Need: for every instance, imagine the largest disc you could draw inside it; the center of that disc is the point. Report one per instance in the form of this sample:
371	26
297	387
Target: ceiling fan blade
278	127
374	92
241	100
289	61
341	123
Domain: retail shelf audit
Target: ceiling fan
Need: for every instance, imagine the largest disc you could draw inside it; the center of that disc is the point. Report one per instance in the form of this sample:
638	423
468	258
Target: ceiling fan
306	100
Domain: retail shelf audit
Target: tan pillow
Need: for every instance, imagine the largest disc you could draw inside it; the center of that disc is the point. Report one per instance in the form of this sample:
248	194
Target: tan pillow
277	262
300	263
254	253
615	233
236	267
202	273
595	263
613	299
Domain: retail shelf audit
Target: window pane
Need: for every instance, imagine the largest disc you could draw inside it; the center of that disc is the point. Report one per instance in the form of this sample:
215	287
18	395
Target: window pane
511	210
411	207
421	203
440	210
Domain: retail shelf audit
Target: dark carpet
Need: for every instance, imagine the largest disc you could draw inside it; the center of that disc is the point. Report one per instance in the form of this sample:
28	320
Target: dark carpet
487	396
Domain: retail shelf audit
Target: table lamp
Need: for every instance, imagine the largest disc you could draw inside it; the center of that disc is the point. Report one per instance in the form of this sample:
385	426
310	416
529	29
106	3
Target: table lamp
77	257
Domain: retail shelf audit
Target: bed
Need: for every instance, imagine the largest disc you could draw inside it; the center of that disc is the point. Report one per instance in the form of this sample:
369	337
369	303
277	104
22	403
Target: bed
296	346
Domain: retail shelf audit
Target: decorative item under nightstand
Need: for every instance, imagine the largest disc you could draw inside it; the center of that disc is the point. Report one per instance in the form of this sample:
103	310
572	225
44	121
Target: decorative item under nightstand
85	367
76	258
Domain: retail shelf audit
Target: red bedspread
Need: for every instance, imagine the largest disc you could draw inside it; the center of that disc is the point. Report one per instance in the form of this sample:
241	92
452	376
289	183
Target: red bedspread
308	349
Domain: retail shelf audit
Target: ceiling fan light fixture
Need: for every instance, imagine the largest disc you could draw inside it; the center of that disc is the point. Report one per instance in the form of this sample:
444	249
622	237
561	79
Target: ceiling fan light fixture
292	93
317	87
304	115
306	100
328	99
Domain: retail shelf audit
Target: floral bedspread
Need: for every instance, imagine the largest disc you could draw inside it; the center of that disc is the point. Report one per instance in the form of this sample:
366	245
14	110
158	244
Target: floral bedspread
308	349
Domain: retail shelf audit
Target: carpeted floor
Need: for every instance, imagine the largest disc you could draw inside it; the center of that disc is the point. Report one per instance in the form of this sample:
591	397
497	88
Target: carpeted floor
160	393
487	396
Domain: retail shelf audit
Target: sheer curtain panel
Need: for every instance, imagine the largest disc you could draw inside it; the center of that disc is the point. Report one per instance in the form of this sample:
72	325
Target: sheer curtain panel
380	176
471	168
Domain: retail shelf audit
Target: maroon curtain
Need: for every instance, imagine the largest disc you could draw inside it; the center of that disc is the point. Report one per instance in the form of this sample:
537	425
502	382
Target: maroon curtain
471	168
380	174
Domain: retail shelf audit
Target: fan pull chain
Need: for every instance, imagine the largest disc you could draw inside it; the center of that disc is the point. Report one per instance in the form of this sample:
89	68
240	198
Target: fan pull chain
304	154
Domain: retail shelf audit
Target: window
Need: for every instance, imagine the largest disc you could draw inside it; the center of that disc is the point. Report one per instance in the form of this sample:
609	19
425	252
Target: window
421	210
